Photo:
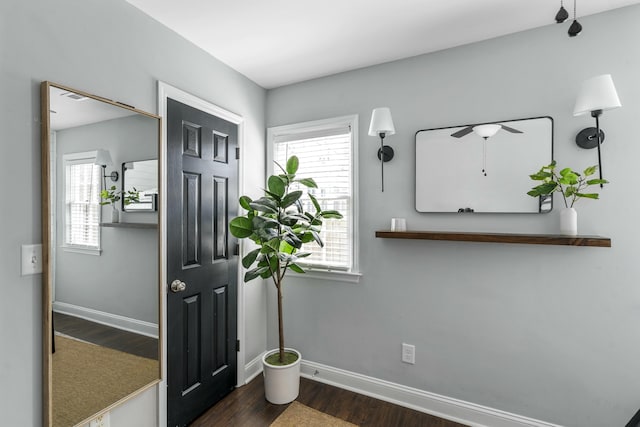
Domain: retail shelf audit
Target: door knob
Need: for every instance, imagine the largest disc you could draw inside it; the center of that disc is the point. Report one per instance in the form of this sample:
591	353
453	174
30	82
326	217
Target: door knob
178	286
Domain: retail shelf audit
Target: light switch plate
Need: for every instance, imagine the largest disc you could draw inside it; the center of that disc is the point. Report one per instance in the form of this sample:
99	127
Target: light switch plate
31	259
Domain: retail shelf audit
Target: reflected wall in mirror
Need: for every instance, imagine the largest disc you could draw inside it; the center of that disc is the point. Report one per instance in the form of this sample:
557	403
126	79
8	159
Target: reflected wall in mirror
141	178
482	169
101	290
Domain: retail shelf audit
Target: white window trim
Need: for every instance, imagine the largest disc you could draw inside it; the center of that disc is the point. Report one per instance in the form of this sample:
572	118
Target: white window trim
80	249
353	274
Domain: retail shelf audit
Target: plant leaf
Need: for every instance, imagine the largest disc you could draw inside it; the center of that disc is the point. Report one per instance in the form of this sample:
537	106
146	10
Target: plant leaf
308	182
292	240
315	202
241	227
543	189
540	176
264	204
292	165
597	181
245	202
276	185
588	195
590	170
296	268
255	273
291	198
250	258
331	214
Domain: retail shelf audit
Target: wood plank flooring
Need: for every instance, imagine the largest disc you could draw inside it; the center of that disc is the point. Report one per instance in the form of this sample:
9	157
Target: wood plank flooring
246	406
106	336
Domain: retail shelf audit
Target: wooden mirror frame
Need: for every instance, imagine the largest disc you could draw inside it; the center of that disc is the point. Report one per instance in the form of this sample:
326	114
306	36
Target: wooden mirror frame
47	271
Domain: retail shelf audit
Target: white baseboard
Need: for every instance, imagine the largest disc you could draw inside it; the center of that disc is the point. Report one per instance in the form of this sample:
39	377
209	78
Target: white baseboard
253	369
113	320
419	400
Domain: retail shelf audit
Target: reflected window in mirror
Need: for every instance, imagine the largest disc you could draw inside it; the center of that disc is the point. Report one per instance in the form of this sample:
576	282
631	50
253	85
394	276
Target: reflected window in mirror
140	178
82	202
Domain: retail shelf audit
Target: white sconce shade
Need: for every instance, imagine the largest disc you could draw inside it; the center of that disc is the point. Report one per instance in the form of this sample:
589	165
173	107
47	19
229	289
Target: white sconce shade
103	158
486	131
381	122
597	93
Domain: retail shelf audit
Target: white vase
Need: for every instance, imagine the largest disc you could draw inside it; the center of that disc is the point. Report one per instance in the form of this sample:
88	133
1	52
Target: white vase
281	383
569	222
115	214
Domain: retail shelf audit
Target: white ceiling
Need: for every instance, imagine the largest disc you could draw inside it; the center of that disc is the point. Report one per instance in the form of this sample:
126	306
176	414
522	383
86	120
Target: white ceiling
278	42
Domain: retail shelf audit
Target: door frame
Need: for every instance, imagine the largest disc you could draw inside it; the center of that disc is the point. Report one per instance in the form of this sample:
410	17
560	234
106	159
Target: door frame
165	91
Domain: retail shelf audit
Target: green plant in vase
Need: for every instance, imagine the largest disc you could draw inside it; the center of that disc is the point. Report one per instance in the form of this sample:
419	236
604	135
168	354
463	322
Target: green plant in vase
571	185
110	196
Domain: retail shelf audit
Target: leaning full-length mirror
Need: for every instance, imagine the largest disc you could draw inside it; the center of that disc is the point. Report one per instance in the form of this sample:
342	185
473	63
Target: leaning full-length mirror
101	289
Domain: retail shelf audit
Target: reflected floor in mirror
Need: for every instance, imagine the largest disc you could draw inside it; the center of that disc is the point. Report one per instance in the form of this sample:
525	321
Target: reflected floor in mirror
90	357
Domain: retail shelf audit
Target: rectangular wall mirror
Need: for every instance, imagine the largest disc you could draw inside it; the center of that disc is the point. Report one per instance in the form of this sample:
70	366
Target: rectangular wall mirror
101	280
482	169
140	177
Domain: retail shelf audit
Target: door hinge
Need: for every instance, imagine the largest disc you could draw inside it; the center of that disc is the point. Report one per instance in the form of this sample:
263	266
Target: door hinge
236	249
237	345
237	153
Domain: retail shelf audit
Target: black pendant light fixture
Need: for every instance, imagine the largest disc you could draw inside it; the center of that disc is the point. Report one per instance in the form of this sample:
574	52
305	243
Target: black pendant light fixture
575	27
562	14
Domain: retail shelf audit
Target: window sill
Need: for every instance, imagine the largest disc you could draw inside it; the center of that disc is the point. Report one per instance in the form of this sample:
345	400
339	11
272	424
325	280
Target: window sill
79	250
333	275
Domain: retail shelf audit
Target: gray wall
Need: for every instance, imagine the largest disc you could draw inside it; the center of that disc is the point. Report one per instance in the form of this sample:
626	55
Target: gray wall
110	49
545	332
123	280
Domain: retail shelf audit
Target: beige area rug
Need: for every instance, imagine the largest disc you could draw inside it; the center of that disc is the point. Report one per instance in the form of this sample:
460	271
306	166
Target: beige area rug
88	378
299	415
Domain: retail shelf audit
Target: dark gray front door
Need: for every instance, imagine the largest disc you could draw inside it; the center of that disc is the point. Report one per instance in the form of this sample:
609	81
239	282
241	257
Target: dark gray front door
202	176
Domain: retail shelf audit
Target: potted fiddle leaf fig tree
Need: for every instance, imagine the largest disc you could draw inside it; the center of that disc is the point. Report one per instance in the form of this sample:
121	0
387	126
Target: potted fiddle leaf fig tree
278	224
571	185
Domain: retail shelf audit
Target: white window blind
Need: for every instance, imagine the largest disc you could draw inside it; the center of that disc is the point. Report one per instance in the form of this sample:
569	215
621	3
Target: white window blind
326	155
82	202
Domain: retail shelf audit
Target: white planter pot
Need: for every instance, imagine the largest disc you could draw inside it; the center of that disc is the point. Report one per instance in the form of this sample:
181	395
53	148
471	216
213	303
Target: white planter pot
281	383
569	222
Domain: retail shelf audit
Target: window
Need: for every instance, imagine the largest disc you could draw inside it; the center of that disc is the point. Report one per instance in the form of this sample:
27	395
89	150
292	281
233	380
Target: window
327	153
82	202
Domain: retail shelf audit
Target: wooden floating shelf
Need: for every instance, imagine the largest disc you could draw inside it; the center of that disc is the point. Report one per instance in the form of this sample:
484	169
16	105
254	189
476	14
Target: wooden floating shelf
145	225
528	239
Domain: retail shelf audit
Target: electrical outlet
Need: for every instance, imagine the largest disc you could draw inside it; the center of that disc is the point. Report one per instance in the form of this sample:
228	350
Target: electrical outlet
100	421
31	259
409	353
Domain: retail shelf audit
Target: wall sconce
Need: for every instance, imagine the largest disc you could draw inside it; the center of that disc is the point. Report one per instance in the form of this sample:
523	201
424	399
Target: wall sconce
103	158
382	125
596	95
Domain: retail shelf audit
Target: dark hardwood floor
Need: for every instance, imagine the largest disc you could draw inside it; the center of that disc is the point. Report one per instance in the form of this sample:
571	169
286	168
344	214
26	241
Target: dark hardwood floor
246	406
106	336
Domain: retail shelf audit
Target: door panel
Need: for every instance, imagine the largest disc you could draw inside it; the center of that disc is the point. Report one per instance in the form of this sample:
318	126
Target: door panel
201	320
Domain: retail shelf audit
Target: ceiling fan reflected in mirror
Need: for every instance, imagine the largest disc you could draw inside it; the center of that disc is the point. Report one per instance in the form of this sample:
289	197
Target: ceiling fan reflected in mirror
485	131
